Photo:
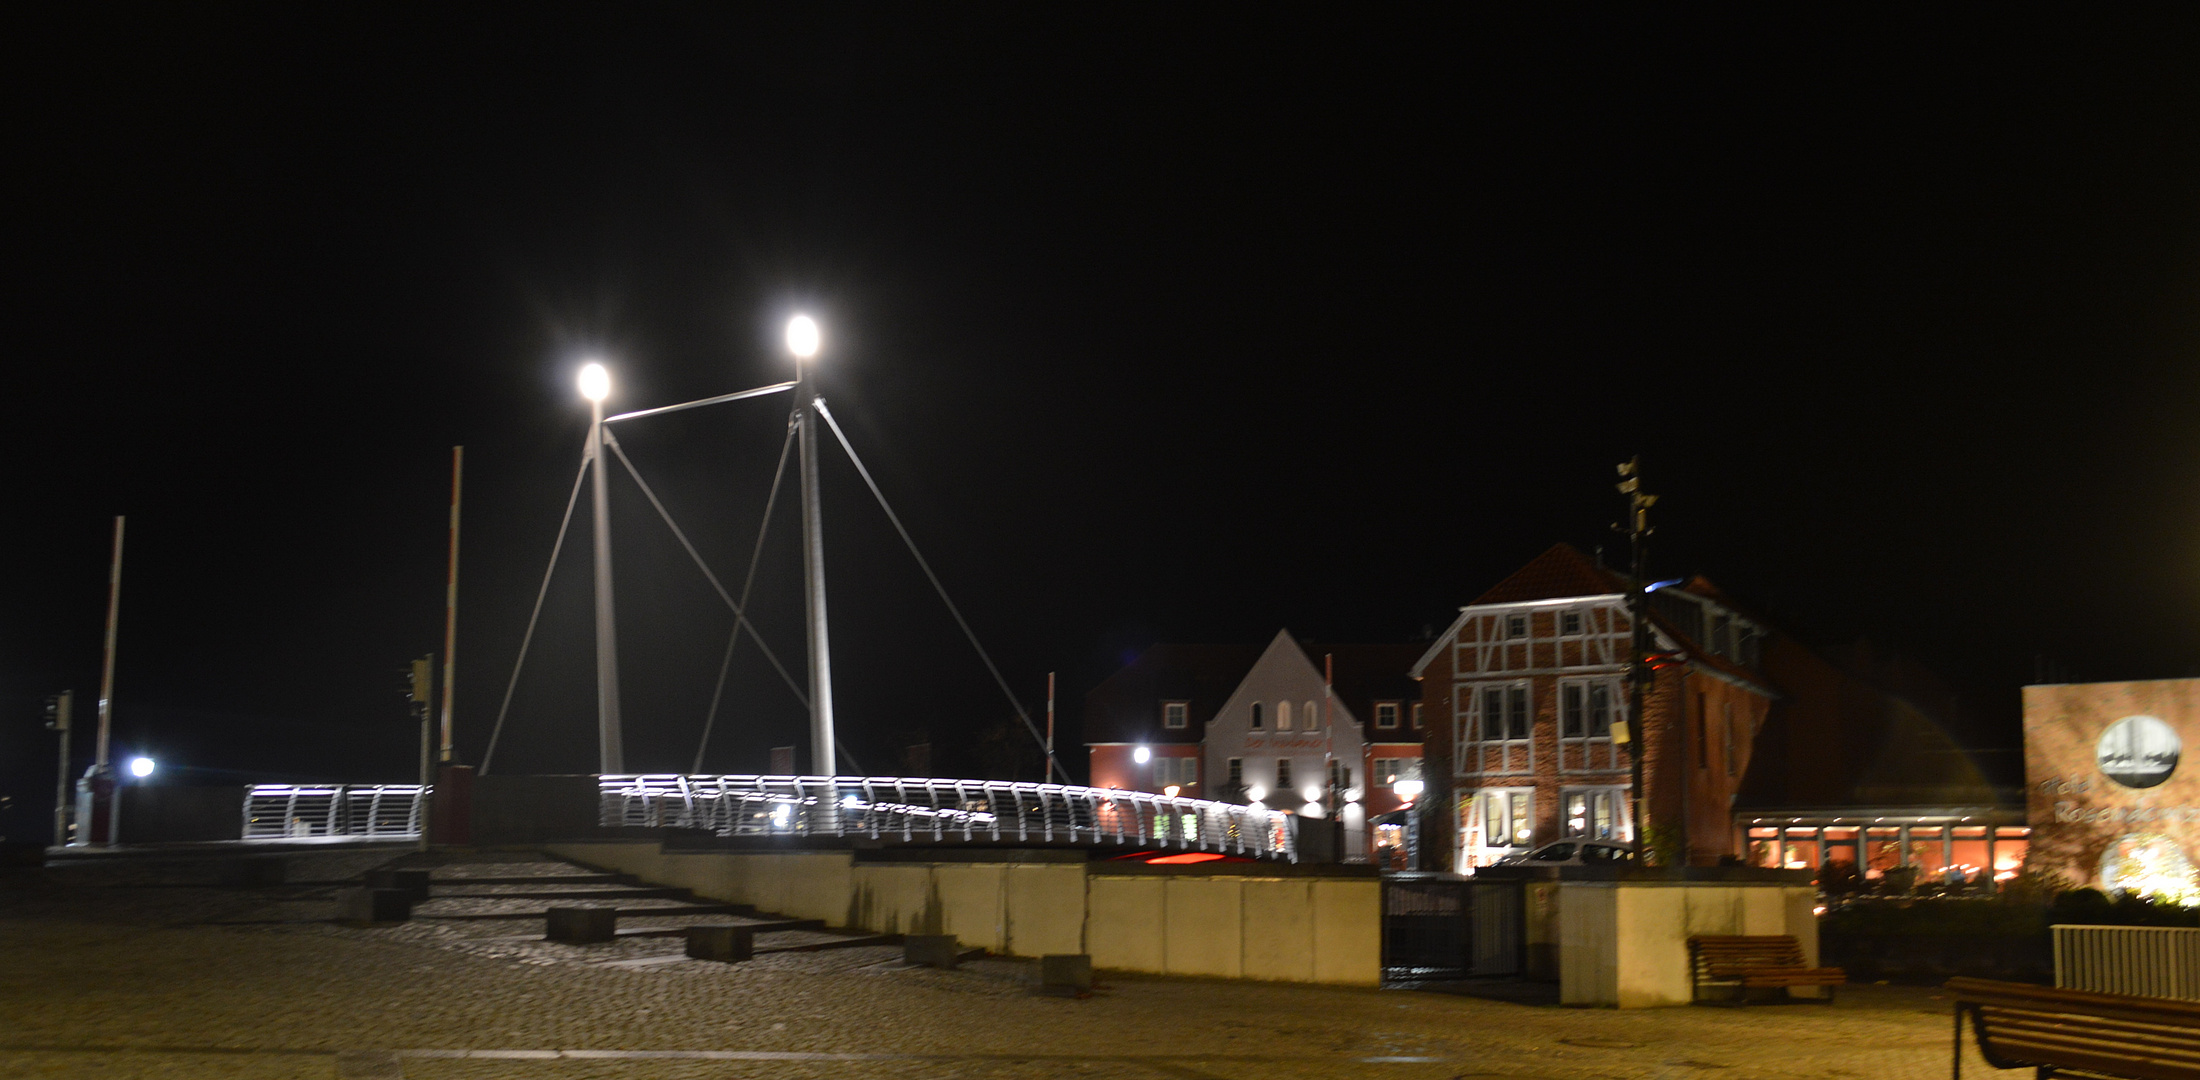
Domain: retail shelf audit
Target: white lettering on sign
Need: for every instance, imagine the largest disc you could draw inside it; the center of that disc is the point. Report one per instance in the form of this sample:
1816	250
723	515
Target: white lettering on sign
2129	815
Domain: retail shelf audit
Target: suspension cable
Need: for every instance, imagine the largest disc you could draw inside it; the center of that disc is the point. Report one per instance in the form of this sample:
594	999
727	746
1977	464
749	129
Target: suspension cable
935	579
755	556
740	618
540	594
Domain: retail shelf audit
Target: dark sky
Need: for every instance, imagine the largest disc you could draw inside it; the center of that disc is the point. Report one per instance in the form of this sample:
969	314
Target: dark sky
1157	325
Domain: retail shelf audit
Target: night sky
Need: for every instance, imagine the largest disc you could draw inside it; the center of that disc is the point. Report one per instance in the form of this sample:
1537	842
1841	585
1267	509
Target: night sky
1159	324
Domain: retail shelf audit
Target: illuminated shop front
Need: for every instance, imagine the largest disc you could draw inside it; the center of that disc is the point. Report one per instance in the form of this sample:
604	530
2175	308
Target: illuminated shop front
1952	847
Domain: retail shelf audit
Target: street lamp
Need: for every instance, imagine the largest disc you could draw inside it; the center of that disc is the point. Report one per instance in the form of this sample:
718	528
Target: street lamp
1141	755
141	767
595	385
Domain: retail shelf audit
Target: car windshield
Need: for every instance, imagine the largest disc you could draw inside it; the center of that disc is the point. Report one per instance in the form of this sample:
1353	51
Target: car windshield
1554	853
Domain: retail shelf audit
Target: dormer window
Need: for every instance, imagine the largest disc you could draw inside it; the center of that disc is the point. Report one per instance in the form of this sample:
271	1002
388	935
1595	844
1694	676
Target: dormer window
1176	715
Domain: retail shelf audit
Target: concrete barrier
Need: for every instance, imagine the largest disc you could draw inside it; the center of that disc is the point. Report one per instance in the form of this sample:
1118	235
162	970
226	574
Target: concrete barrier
729	944
581	925
366	906
1625	943
1314	924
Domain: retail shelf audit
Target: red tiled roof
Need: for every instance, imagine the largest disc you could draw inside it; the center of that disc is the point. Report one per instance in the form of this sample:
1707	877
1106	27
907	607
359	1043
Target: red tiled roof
1561	571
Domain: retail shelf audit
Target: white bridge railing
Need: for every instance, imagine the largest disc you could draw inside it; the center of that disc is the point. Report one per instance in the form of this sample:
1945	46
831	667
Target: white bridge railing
2149	961
298	811
945	811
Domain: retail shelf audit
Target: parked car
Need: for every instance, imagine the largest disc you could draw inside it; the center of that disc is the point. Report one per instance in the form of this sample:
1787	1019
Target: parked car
1574	853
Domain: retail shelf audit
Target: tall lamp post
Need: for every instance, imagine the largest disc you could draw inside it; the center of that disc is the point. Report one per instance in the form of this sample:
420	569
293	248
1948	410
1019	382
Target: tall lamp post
595	385
803	340
1639	672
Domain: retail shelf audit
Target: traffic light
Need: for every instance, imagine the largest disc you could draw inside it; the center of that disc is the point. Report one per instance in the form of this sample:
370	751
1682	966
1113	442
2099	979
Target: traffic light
57	710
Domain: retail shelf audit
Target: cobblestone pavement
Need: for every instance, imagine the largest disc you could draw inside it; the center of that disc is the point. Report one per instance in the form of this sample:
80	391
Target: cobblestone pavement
119	971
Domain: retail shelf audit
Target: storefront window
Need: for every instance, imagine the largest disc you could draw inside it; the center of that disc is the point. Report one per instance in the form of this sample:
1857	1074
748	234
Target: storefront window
2010	844
1802	850
1882	850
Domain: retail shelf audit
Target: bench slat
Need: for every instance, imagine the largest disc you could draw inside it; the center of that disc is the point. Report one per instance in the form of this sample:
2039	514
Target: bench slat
2111	1034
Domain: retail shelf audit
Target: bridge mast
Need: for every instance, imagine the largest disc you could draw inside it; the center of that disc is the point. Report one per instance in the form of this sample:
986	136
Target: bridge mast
611	755
802	341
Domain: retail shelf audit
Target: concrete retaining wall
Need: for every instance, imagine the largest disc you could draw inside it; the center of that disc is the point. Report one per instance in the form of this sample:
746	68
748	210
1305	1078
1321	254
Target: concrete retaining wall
159	814
1625	943
1249	926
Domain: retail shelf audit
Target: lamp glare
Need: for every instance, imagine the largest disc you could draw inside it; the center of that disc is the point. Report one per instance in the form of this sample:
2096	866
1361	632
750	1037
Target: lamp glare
141	767
595	382
1141	755
802	336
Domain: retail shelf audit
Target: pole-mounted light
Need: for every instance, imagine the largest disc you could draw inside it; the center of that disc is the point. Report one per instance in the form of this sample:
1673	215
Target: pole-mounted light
595	382
141	767
802	337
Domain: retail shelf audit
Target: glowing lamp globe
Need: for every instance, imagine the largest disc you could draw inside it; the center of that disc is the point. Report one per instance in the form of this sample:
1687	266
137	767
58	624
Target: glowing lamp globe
1141	755
141	767
802	336
595	382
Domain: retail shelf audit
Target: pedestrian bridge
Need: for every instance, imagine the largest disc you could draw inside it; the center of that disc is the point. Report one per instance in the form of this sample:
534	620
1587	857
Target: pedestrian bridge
909	810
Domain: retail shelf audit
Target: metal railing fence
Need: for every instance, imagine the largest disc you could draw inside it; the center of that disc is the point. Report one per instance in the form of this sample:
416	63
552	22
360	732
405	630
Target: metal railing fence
298	811
2149	961
944	811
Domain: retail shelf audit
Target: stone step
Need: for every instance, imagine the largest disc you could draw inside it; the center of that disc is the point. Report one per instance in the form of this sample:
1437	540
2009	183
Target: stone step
624	913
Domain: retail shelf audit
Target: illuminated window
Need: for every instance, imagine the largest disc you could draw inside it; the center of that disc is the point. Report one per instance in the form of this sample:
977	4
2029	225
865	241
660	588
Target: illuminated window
1415	710
1310	717
1390	770
1505	818
1597	813
1386	715
1176	714
1283	716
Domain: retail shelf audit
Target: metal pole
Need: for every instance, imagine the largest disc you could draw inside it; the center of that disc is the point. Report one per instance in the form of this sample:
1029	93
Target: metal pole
61	785
107	666
813	578
1638	667
1050	730
610	755
100	764
450	606
420	798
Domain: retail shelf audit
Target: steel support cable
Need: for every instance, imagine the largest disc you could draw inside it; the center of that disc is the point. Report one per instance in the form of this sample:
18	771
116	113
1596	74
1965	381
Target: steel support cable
756	556
842	437
540	594
740	616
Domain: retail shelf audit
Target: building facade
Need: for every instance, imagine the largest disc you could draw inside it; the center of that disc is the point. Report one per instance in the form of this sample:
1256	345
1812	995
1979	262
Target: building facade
1527	690
1316	731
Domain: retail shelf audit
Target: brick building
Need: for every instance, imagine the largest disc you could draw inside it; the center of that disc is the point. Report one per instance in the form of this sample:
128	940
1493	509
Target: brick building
1522	692
1313	730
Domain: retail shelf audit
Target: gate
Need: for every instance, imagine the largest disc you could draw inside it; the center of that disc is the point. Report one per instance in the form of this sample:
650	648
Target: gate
1436	926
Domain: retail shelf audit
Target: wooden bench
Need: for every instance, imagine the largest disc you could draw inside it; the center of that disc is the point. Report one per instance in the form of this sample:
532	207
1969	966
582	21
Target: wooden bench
2077	1032
1751	961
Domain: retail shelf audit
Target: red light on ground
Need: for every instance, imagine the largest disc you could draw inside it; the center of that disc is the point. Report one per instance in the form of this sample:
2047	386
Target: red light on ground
1183	859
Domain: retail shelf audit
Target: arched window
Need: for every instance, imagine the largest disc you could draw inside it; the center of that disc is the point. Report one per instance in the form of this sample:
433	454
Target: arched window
1283	716
1256	716
1313	717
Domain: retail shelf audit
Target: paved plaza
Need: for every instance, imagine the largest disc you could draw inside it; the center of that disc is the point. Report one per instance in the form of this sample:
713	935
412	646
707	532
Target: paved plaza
134	968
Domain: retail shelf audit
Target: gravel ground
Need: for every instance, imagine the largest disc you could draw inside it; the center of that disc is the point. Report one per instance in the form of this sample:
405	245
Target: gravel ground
112	971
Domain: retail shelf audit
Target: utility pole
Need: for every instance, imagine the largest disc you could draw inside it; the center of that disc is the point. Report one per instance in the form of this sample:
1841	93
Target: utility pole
98	787
420	701
1638	616
450	607
1049	774
58	707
